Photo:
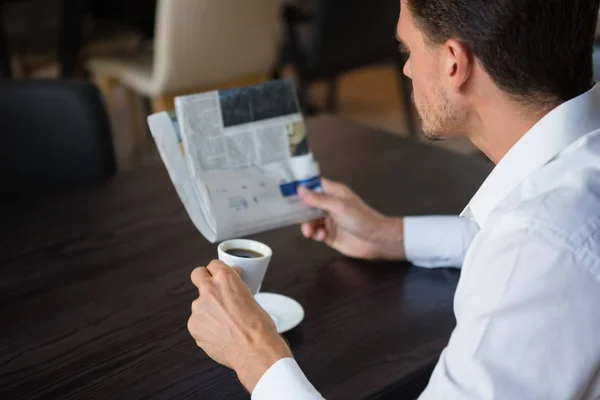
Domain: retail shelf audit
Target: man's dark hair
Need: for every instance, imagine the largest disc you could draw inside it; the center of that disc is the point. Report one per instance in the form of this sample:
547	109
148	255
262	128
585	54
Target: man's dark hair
535	50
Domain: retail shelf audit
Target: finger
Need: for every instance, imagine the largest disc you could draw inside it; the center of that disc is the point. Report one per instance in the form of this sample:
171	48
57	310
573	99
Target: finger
200	276
334	188
331	231
320	230
190	323
307	229
317	200
217	267
320	235
195	309
239	271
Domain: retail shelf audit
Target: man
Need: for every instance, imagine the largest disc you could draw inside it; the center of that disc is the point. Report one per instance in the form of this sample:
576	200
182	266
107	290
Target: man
515	77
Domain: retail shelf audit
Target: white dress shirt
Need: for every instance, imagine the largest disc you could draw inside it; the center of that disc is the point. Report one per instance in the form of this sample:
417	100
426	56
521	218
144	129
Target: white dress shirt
528	301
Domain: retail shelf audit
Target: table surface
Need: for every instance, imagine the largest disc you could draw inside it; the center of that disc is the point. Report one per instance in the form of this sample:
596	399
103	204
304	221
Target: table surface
95	291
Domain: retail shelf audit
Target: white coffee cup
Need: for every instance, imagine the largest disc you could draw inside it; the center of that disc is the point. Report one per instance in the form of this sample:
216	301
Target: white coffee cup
253	269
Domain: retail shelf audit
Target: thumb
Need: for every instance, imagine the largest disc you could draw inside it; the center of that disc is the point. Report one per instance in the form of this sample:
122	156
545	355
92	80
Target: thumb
317	200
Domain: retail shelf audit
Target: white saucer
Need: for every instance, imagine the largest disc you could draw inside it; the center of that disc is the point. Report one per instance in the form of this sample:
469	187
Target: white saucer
287	313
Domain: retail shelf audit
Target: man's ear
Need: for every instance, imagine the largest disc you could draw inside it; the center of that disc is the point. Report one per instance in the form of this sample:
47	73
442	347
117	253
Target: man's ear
457	63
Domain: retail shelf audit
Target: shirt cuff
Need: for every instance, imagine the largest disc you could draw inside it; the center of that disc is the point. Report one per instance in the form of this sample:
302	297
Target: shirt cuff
285	380
437	241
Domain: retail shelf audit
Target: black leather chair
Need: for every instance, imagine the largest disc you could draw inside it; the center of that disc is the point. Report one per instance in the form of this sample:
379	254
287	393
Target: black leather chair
339	36
53	134
5	62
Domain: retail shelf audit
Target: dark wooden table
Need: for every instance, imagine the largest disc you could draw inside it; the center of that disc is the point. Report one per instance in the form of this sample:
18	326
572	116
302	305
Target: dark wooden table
95	291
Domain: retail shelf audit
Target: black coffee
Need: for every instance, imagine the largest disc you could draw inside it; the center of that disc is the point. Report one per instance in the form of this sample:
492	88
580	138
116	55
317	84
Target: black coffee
244	253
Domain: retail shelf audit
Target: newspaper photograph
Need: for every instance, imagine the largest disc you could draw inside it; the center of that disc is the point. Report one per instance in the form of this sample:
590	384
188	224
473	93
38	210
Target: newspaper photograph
236	158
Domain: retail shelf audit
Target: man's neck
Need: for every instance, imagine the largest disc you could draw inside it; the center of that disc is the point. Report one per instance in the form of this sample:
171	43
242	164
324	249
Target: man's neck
500	122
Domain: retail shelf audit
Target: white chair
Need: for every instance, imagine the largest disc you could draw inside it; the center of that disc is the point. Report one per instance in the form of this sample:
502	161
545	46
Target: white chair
199	45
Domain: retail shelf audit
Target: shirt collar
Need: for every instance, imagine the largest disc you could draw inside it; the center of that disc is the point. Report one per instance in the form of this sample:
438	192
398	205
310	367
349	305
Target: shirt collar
550	136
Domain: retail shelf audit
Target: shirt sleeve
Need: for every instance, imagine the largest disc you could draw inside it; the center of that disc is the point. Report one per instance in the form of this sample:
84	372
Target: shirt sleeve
527	324
438	241
285	380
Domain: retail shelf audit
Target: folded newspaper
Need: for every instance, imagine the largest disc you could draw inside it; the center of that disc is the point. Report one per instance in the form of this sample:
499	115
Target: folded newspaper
236	158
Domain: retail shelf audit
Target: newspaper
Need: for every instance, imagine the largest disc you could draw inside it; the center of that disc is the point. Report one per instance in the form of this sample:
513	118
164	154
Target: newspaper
236	158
